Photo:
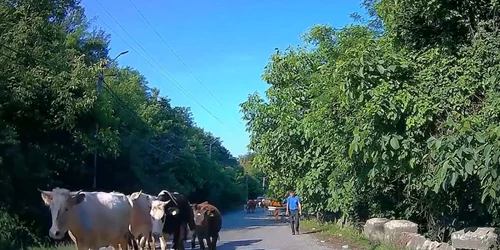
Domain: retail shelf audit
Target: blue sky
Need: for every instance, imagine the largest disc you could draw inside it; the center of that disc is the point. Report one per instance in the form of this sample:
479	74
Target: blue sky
226	44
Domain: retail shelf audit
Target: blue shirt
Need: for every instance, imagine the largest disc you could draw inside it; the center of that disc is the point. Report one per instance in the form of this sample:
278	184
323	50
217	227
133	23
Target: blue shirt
293	202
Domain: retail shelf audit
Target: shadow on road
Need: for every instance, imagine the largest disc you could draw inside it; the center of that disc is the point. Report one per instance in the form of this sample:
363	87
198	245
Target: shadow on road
232	245
243	220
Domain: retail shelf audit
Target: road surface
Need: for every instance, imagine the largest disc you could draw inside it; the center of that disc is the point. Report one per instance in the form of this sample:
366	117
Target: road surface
255	231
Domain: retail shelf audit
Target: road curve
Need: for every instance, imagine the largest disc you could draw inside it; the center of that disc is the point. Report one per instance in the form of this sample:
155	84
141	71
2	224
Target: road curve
255	231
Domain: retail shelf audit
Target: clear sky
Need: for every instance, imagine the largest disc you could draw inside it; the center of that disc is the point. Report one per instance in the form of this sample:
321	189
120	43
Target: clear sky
226	44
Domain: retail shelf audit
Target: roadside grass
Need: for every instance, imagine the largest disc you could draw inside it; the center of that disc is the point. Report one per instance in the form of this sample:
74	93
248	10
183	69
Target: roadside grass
333	235
59	247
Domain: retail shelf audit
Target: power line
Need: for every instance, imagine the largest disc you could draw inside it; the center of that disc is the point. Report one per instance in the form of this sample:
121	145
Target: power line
115	96
173	81
178	57
135	115
44	63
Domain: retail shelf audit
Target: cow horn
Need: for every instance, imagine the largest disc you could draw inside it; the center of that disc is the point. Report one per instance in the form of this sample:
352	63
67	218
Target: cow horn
164	203
171	197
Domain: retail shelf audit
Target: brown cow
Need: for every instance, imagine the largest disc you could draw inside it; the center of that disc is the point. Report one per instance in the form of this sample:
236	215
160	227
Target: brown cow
208	222
266	203
140	223
251	205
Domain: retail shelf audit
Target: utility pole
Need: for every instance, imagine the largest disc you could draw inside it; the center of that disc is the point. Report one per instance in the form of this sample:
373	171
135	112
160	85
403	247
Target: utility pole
210	147
263	182
246	181
100	81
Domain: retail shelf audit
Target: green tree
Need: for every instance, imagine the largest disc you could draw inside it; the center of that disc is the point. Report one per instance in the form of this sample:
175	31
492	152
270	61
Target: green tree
400	122
49	107
255	176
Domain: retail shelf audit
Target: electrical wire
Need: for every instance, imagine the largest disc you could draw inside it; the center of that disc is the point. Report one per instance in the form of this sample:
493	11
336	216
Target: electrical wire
174	82
178	57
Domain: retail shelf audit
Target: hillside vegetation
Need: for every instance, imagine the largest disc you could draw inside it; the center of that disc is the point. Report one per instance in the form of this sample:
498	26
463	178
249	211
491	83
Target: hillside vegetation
396	116
49	107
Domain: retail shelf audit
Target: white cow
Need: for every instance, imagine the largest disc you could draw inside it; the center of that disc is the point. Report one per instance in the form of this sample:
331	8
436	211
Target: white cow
92	219
140	223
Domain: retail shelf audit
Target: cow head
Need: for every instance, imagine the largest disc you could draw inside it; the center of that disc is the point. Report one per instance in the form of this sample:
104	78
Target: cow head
159	212
201	213
61	203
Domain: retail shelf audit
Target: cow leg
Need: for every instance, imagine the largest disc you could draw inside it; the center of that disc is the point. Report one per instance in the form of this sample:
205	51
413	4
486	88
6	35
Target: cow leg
129	240
163	241
148	240
124	244
151	243
193	239
202	243
175	241
142	242
163	244
182	236
209	242
216	238
145	240
178	240
213	241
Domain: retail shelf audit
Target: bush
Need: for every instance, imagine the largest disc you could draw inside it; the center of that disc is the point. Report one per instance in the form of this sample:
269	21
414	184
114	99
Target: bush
14	234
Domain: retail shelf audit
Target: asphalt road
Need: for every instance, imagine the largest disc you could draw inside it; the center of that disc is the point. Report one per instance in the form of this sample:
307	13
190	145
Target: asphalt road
255	231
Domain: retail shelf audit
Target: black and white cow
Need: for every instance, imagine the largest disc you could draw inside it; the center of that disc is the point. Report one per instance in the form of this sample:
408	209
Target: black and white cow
171	213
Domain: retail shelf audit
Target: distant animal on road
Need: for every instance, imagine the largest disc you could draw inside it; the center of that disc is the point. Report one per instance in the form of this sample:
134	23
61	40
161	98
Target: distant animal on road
92	219
275	203
260	201
140	222
208	222
171	213
251	204
266	203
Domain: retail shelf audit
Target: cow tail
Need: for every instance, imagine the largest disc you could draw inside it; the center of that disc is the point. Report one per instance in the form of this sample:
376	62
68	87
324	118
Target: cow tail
190	221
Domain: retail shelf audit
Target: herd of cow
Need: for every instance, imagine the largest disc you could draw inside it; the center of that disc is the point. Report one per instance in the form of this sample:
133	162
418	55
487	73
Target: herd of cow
263	203
101	219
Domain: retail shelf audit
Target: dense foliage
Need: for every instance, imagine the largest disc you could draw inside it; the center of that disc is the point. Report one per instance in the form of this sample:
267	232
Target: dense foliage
49	107
397	116
256	178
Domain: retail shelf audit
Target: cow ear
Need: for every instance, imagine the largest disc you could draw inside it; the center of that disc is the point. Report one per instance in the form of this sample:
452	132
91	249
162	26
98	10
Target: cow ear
46	197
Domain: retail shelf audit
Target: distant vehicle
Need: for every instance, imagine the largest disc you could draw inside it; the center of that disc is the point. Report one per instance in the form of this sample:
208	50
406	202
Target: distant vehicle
261	198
